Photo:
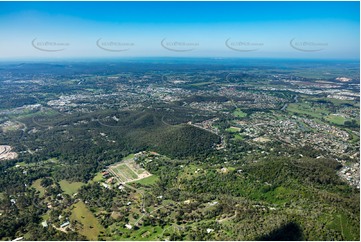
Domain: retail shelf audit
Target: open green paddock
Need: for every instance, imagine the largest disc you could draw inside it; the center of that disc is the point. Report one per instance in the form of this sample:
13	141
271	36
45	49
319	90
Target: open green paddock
124	171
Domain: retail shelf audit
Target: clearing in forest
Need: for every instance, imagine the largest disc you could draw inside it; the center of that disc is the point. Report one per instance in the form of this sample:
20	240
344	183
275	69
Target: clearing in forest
128	171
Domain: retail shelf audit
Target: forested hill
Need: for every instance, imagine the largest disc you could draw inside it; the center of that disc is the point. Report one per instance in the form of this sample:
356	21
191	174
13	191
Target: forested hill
87	142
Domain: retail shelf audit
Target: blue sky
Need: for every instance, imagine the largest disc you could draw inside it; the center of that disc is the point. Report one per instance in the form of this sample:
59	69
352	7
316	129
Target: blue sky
315	30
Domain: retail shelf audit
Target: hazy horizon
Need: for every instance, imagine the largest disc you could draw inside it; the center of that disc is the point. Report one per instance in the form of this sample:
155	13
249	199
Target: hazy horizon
294	30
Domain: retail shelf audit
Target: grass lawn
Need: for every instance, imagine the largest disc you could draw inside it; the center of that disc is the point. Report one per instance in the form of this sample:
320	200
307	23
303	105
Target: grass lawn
27	236
305	108
133	166
339	102
46	216
123	169
233	129
143	234
231	168
148	180
29	114
239	114
70	187
21	163
189	172
25	114
148	233
91	226
354	137
340	223
98	177
38	187
127	170
279	196
336	119
130	156
53	160
238	137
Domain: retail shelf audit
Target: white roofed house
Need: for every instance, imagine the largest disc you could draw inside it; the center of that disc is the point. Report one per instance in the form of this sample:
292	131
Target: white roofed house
65	224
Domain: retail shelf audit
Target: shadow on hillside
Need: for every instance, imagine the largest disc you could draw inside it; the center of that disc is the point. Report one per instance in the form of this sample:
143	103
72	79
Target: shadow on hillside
288	232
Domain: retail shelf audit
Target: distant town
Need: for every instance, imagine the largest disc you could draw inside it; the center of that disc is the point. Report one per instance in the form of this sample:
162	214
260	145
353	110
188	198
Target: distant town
100	151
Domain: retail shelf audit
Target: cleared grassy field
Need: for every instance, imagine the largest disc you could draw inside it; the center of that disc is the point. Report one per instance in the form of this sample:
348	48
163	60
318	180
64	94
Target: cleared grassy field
336	102
21	163
30	113
189	172
128	171
239	114
233	129
148	181
341	224
145	233
136	168
130	156
91	227
148	233
305	108
70	187
238	137
121	176
98	177
38	187
354	137
336	119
